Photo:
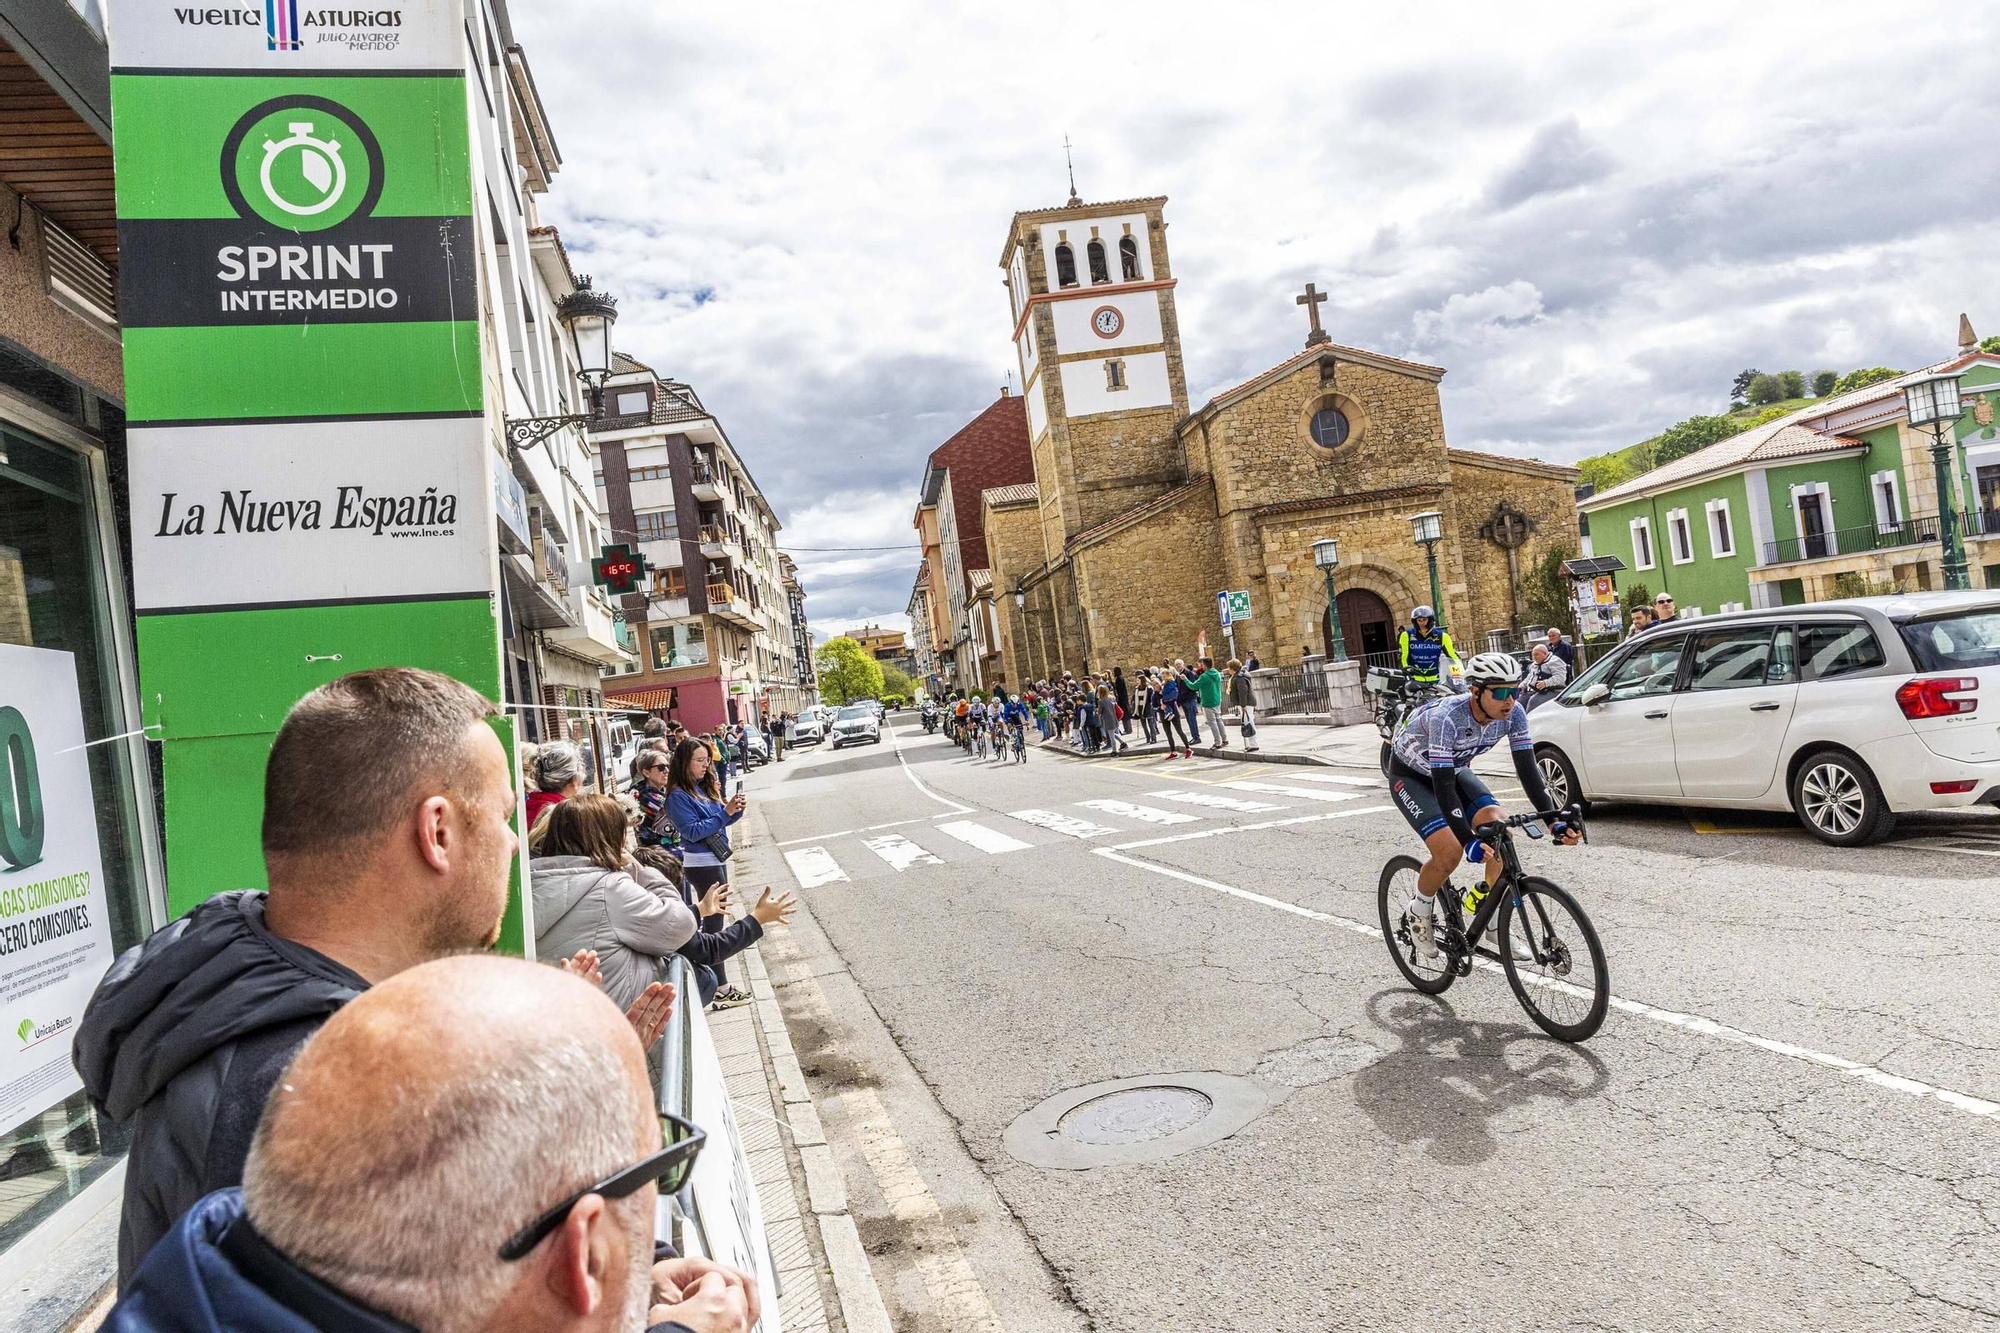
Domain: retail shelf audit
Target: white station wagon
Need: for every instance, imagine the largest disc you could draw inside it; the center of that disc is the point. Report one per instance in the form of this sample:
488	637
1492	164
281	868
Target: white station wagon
1845	713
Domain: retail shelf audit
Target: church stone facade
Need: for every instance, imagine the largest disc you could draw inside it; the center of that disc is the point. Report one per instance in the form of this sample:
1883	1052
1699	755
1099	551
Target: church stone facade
1145	510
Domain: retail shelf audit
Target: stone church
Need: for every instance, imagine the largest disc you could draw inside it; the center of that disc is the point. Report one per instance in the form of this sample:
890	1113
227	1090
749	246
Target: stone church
1142	510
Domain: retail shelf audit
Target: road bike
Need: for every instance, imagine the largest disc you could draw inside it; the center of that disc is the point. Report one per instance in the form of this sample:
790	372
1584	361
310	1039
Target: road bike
1545	943
978	741
1020	744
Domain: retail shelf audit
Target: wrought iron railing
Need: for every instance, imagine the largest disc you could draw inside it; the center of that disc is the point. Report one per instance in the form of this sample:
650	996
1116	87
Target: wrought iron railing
1919	531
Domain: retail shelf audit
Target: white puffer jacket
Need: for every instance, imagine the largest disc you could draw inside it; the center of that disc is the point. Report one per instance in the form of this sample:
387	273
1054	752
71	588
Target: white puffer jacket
633	917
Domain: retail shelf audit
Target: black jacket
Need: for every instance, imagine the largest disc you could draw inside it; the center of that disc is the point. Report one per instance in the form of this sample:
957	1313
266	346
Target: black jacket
184	1038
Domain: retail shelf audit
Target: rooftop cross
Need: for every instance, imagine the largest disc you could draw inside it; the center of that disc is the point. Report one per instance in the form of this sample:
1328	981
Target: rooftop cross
1312	300
1075	201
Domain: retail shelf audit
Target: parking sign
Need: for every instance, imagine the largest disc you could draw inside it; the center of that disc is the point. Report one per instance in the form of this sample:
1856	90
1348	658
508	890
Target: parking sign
1222	608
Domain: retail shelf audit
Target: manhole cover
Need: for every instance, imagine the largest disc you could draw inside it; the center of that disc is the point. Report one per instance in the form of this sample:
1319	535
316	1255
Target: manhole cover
1129	1121
1138	1115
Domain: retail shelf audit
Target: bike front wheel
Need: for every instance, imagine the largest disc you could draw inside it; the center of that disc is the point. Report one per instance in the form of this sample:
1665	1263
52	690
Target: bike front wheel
1392	900
1554	961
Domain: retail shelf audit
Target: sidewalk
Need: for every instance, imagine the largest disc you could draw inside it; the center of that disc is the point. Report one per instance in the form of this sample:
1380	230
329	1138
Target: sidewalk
1281	742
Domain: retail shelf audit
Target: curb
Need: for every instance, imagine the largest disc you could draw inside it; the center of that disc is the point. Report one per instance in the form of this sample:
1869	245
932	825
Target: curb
861	1307
1206	752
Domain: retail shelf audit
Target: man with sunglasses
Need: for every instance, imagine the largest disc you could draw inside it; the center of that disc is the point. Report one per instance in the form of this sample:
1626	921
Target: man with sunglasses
1431	777
1663	611
413	1171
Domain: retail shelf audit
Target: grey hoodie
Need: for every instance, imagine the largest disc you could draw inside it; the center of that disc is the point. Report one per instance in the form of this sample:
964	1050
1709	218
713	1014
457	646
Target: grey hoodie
633	917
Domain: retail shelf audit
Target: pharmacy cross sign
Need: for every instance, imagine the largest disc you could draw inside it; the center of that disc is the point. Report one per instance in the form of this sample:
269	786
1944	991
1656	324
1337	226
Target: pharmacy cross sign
618	568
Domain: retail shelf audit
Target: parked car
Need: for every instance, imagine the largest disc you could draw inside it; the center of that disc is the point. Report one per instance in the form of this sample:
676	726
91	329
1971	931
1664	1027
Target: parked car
809	727
755	751
855	724
1845	713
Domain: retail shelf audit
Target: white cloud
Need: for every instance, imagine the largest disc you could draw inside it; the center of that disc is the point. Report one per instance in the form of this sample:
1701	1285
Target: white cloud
1592	219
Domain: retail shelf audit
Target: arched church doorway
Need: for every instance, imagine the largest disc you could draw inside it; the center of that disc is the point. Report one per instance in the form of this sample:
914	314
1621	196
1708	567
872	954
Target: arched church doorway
1365	624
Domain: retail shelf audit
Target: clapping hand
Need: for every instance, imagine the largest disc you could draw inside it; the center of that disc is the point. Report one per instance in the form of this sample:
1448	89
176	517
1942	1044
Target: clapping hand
774	908
651	1012
583	964
715	902
703	1296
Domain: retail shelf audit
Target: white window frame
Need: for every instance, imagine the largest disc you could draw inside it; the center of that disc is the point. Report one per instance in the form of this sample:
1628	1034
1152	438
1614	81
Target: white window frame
1680	537
1716	546
1799	523
1886	522
1644	526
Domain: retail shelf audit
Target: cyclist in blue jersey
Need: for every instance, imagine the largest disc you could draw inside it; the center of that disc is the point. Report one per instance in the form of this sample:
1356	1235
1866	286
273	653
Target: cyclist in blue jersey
1424	646
1430	774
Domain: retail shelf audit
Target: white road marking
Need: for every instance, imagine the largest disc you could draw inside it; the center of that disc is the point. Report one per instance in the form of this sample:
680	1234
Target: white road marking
1222	829
1695	1023
957	809
989	840
1145	814
1302	793
1315	775
817	837
1068	825
814	866
899	851
1943	845
1215	801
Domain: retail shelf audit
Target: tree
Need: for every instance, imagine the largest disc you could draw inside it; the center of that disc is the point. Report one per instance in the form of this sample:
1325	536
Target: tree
1739	390
1684	437
1546	589
1823	382
1605	471
1638	595
1794	383
1861	379
895	681
847	672
1990	344
1766	389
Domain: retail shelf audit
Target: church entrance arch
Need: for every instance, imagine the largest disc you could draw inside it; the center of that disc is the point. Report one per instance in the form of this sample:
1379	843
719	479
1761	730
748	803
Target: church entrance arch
1366	625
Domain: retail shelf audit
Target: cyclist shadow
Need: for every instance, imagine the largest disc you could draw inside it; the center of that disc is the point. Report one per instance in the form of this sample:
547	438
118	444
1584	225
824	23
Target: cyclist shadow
1442	1088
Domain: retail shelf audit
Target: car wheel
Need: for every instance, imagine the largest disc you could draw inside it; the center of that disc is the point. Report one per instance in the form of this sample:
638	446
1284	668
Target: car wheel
1559	776
1838	800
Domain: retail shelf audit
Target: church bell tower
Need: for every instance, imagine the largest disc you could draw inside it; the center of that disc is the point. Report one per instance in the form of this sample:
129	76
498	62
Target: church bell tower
1092	297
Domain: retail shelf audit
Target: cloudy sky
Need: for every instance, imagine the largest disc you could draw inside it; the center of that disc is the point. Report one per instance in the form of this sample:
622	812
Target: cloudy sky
1592	216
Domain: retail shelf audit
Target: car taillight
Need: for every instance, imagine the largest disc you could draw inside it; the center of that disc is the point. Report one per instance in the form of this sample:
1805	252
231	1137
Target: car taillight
1953	788
1936	696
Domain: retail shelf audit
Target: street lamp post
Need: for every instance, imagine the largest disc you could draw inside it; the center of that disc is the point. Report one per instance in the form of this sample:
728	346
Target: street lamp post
1326	554
588	314
1933	402
1428	530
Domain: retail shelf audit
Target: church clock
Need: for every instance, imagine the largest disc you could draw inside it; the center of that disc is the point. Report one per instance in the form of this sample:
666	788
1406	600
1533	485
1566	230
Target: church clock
1107	322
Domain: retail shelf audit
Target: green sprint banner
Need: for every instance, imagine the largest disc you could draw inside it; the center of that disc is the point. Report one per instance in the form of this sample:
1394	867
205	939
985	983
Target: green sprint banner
310	481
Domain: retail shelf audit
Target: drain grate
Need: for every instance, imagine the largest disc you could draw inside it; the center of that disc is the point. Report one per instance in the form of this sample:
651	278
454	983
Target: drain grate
1129	1121
1137	1115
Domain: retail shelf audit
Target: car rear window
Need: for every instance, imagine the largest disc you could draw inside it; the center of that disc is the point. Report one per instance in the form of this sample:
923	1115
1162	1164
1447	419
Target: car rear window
1955	642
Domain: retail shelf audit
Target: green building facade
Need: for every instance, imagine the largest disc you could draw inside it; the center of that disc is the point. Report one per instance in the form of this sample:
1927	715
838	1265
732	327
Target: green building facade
1837	499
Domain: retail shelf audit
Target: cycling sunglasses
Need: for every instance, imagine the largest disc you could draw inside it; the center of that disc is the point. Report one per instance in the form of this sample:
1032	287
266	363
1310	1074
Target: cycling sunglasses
1503	692
670	1166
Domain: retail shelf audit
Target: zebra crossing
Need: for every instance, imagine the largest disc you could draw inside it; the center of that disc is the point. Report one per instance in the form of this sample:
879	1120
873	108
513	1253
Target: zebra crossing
1163	813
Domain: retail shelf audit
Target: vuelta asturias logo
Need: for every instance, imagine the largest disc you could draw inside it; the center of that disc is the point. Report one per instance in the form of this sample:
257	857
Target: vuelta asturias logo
302	163
22	822
285	29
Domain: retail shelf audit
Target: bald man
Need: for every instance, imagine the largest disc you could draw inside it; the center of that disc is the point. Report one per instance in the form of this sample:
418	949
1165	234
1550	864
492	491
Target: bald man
402	1150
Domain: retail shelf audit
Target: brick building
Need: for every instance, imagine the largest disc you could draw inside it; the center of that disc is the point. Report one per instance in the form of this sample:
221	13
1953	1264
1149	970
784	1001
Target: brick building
1138	510
963	631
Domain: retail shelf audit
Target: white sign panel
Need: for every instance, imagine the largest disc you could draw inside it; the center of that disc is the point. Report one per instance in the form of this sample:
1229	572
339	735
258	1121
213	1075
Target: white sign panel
330	511
286	37
55	932
725	1199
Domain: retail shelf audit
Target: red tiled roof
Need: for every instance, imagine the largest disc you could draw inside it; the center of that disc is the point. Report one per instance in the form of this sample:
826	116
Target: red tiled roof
989	451
1011	495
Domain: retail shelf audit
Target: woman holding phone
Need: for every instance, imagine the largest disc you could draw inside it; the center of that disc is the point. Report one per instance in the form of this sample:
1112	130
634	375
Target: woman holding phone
702	818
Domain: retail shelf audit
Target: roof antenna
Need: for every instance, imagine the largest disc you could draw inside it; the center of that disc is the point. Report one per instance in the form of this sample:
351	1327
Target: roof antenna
1074	200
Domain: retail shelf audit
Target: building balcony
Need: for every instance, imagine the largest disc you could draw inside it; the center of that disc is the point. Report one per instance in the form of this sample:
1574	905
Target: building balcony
719	543
723	602
709	483
1844	542
594	635
538	589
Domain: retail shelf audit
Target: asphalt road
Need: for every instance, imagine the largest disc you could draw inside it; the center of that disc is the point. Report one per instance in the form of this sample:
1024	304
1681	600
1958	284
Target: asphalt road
1791	1119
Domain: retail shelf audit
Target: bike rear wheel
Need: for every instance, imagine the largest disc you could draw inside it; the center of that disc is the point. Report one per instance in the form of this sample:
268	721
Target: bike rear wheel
1392	897
1554	961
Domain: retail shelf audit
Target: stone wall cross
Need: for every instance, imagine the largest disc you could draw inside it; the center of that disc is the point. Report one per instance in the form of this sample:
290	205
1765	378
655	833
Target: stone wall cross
1312	300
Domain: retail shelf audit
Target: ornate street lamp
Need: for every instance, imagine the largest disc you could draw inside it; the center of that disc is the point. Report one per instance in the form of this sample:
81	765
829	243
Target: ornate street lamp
1020	593
588	314
1326	554
1427	529
1933	402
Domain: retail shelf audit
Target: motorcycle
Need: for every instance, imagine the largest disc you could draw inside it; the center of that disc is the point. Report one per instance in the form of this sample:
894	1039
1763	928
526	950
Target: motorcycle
1396	697
930	719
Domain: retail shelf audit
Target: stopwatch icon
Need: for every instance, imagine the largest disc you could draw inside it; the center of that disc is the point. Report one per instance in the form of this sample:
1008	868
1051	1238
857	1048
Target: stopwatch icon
319	163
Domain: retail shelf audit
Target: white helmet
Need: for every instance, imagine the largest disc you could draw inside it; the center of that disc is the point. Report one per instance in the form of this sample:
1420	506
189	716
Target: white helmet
1423	612
1494	669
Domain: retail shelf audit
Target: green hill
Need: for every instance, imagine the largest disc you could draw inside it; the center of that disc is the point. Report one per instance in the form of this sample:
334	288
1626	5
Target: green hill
1621	465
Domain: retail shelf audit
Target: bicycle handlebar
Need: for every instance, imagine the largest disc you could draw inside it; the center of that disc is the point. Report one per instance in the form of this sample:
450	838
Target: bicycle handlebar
1569	815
